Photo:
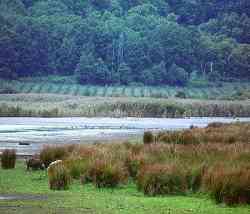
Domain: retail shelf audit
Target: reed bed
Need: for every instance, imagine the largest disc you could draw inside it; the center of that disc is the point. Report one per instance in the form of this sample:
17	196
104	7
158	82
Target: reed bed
65	105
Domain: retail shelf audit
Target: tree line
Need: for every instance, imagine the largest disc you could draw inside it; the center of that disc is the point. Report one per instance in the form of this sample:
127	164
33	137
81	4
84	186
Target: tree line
151	42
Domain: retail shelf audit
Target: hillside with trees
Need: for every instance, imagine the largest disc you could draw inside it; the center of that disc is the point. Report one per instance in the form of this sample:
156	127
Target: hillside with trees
118	42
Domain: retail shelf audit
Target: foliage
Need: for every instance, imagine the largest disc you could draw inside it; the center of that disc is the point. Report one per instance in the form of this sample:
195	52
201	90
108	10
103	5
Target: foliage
134	163
228	184
76	166
178	137
162	180
44	105
211	167
53	153
121	42
148	137
106	174
8	159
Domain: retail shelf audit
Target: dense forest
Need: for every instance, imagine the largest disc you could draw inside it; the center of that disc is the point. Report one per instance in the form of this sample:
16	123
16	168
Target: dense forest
151	42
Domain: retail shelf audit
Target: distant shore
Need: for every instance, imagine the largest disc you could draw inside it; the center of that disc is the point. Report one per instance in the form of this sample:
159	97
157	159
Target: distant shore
52	105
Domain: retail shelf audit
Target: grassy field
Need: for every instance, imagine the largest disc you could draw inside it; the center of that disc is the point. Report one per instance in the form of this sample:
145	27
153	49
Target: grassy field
221	148
88	199
69	87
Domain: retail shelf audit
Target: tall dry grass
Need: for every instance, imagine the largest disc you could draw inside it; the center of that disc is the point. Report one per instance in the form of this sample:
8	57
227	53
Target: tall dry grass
215	165
48	105
8	159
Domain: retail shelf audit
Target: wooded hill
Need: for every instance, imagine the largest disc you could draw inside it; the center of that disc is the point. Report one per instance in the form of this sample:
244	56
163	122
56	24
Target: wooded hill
101	42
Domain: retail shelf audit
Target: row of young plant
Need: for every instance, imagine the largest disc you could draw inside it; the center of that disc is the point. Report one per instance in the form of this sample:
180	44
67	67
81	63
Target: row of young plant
205	160
126	91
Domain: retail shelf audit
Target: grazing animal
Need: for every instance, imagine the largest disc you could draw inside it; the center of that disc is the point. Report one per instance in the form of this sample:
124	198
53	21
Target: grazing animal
54	163
58	175
34	164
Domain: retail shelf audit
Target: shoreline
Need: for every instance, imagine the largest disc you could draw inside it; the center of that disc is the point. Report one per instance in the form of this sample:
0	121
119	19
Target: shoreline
29	135
51	105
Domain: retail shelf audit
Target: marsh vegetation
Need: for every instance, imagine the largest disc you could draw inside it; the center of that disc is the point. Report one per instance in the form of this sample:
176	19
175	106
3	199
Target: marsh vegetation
199	162
48	105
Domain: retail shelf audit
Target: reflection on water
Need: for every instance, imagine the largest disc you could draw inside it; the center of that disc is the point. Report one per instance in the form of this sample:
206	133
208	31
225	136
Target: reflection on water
40	131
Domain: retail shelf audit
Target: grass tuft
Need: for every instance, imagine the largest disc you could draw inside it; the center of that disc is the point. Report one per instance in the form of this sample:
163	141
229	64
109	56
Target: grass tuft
8	159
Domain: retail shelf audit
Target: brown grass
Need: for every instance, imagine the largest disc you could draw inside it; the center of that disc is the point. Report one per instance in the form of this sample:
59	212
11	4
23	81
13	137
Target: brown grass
215	165
228	184
8	159
213	133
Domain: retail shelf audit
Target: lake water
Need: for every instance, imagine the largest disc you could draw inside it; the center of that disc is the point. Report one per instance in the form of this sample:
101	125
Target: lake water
37	132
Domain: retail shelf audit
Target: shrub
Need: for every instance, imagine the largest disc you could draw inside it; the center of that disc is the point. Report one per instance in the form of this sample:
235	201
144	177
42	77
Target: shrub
177	76
228	184
59	178
162	179
195	176
148	137
106	174
134	163
178	137
8	159
215	125
53	153
136	148
76	166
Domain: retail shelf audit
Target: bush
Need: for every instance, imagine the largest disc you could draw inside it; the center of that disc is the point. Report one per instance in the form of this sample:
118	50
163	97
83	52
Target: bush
53	153
162	179
148	137
136	148
178	137
106	174
228	184
59	178
134	163
76	166
177	76
8	159
215	125
195	176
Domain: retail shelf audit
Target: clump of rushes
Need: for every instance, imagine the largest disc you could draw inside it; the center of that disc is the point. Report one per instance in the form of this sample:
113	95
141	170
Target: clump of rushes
104	173
229	185
162	179
148	137
76	166
134	163
8	159
178	137
58	175
194	177
53	153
